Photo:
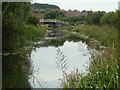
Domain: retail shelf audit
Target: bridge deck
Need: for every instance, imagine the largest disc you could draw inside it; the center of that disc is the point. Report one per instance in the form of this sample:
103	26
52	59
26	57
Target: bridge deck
52	21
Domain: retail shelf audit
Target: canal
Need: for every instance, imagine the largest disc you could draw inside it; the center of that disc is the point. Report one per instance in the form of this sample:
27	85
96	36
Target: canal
44	61
36	66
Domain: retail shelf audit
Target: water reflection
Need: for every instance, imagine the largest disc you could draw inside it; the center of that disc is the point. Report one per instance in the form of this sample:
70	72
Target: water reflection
44	58
16	71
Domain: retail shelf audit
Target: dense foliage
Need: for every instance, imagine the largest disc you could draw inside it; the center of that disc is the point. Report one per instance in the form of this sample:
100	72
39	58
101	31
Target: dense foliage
94	18
73	20
44	6
53	14
33	20
110	19
15	18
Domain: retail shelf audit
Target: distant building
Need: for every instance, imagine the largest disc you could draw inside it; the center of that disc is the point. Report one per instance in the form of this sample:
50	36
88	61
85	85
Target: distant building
63	10
38	12
36	9
69	10
76	12
84	13
39	15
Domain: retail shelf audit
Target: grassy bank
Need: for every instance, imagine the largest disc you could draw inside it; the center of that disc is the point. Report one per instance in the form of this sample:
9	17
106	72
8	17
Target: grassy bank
103	70
30	35
106	35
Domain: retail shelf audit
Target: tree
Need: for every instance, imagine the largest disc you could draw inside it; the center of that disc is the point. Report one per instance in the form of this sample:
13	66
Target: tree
33	20
94	18
44	6
13	21
110	18
53	14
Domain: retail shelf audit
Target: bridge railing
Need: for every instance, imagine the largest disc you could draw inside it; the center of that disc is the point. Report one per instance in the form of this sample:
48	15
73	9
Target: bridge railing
52	20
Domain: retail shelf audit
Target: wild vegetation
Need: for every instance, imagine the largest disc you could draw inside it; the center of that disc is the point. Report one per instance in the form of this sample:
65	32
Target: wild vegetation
92	18
20	29
19	26
103	69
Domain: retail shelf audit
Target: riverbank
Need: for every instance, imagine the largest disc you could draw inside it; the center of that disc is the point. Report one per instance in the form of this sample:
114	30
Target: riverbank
102	71
30	35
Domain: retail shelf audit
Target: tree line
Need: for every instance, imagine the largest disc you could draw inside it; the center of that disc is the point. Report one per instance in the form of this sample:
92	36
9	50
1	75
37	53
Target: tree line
92	18
44	6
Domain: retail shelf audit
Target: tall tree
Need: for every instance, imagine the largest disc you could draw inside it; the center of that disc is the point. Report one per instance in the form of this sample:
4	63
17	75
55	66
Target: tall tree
13	21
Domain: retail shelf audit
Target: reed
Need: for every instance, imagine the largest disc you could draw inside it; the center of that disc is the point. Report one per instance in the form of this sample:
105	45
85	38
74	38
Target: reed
103	69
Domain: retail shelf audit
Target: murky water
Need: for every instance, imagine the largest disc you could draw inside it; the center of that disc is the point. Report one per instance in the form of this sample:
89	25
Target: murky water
45	66
16	71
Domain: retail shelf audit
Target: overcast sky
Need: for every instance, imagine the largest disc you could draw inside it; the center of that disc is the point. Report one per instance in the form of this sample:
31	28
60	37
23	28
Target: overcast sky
94	5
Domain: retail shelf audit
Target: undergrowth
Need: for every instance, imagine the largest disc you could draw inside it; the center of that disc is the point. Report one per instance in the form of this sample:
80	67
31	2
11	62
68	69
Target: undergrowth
103	69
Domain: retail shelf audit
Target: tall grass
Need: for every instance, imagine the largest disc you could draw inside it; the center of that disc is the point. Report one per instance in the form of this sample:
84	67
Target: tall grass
106	35
31	34
62	63
103	69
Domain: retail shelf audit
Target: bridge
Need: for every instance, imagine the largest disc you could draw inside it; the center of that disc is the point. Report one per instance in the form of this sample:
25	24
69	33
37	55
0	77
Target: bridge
56	23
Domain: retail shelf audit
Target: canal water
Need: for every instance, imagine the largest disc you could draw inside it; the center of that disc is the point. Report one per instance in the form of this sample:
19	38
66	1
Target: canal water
45	67
36	66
